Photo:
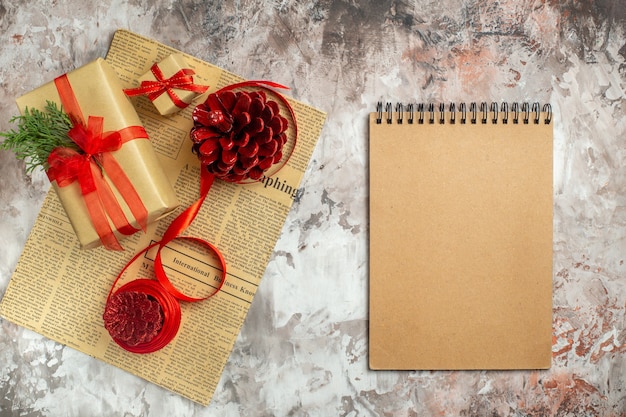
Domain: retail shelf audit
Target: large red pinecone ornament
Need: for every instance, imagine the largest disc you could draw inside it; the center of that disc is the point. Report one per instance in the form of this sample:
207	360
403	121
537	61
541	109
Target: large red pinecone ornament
238	135
133	317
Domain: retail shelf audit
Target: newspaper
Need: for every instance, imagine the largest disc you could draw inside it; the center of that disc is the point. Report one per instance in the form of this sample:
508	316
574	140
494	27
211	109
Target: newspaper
59	290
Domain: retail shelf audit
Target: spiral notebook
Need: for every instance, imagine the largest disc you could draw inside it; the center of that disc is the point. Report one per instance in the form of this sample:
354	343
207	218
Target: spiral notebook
460	236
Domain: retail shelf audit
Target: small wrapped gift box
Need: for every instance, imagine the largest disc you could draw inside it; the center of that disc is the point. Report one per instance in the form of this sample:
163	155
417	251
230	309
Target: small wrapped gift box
169	85
116	185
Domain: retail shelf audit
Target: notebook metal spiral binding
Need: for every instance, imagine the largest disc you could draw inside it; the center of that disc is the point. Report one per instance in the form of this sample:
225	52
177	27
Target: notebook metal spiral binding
524	112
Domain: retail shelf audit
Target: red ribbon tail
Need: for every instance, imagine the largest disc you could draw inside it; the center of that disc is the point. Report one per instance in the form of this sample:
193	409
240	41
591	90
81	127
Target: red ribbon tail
97	213
131	92
188	85
178	225
113	208
184	219
126	190
146	87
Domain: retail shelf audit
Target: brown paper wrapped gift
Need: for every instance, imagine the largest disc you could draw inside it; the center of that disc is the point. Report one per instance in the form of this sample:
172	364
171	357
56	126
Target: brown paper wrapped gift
98	92
169	85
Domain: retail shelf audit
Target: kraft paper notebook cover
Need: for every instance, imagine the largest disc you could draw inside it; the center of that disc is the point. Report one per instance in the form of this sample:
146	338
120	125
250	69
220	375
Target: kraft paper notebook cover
461	237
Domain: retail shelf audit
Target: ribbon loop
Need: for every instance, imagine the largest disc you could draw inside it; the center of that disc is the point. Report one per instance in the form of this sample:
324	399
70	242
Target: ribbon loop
92	140
162	290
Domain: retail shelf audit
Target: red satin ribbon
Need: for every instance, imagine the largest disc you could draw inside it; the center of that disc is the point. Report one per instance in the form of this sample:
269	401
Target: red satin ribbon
181	80
180	223
68	165
166	291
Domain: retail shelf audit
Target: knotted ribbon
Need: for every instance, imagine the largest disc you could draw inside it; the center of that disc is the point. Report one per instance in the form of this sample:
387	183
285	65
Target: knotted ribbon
181	80
68	165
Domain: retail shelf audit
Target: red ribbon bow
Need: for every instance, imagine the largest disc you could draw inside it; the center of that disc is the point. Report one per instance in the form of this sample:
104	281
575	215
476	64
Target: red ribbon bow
181	80
67	165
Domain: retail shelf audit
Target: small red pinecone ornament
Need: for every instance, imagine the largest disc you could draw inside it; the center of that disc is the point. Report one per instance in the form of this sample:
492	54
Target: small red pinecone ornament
133	317
238	135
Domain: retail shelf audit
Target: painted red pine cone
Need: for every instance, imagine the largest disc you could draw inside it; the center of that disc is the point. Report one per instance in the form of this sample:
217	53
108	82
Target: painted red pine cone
133	317
238	135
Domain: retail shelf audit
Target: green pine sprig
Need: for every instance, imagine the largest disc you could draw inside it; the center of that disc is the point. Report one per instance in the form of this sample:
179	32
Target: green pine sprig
38	133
